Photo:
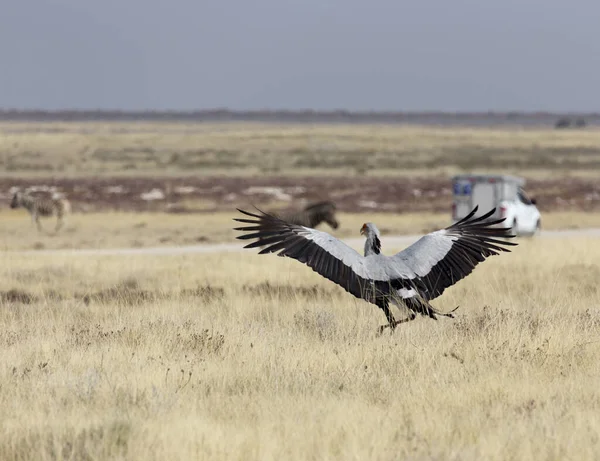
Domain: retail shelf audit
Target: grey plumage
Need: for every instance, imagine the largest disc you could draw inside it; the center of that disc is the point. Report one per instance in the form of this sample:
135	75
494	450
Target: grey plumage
410	278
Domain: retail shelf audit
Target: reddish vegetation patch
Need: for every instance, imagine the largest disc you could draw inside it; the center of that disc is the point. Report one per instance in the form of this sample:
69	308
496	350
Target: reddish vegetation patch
350	194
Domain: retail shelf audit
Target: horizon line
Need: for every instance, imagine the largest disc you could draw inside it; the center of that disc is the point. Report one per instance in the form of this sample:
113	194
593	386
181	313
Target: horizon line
225	110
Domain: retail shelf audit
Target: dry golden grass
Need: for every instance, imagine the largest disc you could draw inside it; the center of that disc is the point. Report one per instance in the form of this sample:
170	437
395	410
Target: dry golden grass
83	149
114	230
257	357
140	230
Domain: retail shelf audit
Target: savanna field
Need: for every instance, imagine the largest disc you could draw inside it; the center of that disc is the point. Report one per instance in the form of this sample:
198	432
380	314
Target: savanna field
236	355
228	356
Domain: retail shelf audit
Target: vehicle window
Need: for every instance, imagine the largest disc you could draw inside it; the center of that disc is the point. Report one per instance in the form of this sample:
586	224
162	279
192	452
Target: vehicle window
523	197
462	189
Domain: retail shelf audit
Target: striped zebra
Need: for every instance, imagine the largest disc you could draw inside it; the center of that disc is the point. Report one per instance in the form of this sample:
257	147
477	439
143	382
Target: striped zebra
39	206
313	215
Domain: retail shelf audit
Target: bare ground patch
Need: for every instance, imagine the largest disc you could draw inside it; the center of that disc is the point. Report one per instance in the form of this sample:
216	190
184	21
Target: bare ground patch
355	195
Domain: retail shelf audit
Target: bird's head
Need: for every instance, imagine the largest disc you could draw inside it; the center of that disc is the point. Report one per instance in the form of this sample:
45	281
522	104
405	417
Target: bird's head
369	229
372	244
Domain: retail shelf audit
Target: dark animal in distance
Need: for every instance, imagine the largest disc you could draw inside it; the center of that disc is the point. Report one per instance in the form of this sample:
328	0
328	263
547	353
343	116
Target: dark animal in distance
408	279
312	215
566	122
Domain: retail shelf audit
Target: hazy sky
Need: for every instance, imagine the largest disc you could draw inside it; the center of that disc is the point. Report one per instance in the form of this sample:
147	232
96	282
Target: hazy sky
454	55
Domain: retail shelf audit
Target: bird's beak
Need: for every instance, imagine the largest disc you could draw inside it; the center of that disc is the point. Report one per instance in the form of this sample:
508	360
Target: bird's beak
363	229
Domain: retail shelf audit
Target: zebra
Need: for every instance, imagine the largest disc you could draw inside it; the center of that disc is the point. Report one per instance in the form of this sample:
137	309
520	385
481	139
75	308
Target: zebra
313	215
42	207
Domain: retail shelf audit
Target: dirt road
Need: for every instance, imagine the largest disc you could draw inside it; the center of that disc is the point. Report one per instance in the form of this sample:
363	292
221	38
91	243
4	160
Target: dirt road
390	242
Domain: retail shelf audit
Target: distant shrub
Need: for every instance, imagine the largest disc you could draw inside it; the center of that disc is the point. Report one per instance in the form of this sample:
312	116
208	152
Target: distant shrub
563	122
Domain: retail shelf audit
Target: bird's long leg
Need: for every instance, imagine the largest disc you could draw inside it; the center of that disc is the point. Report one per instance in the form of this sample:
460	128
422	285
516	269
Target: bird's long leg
448	314
395	323
385	306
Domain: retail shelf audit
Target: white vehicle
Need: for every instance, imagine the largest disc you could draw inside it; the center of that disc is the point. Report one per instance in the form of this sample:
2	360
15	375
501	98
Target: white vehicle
503	192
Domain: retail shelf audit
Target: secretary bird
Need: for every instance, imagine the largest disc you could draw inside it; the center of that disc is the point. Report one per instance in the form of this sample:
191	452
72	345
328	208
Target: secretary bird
410	278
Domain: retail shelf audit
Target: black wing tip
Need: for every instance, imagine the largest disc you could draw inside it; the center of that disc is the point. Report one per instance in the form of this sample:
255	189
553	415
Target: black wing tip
248	213
466	218
264	229
467	221
259	219
263	214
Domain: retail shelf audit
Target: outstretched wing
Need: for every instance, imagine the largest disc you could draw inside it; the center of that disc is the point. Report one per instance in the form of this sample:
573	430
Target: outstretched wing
323	253
442	258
